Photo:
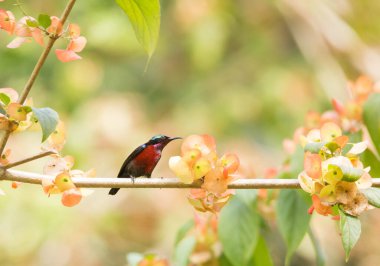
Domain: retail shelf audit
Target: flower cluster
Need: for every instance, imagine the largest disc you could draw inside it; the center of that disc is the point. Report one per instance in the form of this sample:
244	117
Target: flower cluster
350	113
333	173
61	168
19	117
13	115
199	161
203	200
347	116
76	45
207	246
28	28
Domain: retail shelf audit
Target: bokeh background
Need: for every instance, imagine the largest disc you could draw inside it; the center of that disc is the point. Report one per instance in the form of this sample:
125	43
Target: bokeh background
243	71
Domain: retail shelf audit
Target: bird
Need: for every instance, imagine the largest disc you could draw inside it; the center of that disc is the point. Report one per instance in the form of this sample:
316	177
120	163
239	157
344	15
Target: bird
143	160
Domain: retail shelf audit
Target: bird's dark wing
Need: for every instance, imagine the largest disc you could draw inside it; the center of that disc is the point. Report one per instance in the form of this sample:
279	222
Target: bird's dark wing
133	155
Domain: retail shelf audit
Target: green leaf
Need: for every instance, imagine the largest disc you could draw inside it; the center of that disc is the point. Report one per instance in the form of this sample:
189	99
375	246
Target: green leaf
373	196
371	117
351	174
350	229
144	16
44	20
355	137
247	196
5	98
238	231
292	219
347	148
27	109
223	261
314	147
183	231
261	256
48	119
332	146
183	251
369	159
296	162
32	23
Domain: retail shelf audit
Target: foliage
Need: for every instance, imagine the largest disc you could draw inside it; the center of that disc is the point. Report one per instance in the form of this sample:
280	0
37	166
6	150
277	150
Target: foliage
197	242
261	255
239	231
371	118
334	175
336	170
145	18
291	219
28	28
48	120
351	228
19	115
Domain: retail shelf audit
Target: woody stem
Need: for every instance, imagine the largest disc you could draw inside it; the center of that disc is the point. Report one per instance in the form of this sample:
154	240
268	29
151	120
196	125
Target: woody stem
108	182
29	159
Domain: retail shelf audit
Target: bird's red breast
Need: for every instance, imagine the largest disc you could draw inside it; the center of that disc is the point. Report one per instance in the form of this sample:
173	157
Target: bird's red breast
148	158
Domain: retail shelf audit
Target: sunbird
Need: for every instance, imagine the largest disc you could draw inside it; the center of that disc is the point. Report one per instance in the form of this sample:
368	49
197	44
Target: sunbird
143	160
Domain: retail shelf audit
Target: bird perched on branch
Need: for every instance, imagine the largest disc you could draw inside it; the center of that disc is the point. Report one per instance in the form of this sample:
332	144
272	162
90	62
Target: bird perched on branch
143	160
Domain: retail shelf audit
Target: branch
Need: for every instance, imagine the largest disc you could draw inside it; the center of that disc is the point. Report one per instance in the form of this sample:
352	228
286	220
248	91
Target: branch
67	11
32	158
36	70
45	53
104	182
4	140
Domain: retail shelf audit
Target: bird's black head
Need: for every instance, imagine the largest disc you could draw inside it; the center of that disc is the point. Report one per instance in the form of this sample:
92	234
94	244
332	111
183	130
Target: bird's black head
161	139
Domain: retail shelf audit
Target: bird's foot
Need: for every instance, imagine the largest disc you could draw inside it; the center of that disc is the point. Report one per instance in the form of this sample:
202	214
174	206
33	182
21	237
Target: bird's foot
133	179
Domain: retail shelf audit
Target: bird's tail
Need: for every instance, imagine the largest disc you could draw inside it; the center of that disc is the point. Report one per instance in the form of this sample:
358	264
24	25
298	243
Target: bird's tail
113	191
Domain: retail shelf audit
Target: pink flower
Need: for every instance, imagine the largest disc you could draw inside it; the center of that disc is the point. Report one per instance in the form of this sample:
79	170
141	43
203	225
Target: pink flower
76	45
204	143
7	21
23	32
55	27
71	197
312	165
66	55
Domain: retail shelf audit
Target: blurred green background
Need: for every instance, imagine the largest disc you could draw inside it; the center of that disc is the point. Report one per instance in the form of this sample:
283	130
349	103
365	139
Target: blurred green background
243	71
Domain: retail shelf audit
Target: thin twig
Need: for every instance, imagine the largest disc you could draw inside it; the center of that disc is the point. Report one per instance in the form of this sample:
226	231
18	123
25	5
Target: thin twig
36	71
104	182
19	5
66	12
44	55
29	159
4	140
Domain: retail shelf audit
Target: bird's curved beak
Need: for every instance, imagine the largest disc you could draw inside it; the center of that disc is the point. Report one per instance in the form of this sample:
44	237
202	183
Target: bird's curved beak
174	138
